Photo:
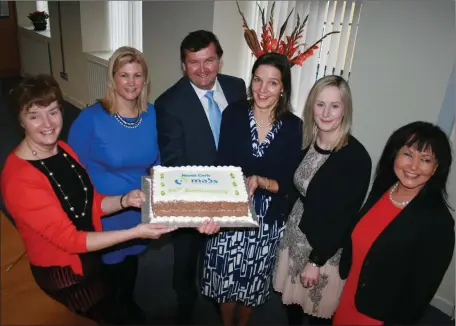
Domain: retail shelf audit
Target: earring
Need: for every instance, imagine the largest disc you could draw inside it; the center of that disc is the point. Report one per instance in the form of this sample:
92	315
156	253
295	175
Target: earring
281	94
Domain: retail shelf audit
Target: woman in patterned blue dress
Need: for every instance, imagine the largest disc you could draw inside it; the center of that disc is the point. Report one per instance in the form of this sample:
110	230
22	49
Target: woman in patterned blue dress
264	138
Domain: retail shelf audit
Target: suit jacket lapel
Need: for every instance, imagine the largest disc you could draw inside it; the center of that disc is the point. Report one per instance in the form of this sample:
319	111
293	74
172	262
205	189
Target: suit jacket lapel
227	90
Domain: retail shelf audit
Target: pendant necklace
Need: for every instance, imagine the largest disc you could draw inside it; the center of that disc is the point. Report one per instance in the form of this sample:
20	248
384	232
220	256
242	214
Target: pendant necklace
51	174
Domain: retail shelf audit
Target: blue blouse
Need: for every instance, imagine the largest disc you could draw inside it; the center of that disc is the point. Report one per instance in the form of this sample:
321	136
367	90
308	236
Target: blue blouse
116	157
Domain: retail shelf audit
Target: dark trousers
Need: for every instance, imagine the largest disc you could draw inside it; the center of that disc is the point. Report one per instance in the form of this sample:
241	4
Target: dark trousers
188	245
122	277
296	316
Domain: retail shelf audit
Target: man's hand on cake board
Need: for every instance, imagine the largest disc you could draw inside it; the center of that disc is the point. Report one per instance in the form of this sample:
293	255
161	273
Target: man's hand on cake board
208	227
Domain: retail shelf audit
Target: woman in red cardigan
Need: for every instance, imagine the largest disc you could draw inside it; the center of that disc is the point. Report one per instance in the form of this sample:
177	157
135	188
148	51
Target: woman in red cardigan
57	211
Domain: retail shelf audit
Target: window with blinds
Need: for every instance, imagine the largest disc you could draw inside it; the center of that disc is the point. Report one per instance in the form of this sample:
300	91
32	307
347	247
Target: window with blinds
334	55
42	6
336	52
125	24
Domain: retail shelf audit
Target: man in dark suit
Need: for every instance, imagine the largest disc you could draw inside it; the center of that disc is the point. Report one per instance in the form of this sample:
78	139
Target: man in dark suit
188	123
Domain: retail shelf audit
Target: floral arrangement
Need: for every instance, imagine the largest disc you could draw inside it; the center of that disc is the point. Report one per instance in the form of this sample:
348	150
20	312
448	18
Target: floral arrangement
270	43
37	16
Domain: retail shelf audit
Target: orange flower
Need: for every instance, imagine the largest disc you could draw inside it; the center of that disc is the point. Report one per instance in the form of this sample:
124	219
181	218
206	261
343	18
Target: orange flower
269	43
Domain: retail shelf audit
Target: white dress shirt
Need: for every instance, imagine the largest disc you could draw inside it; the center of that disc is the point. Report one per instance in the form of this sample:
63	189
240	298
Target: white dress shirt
219	97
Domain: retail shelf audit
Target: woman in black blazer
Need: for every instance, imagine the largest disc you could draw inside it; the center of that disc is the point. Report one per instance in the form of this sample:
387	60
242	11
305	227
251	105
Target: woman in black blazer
263	137
403	243
332	180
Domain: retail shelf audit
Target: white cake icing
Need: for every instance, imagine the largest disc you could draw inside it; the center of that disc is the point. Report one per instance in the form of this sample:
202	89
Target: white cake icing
229	186
199	183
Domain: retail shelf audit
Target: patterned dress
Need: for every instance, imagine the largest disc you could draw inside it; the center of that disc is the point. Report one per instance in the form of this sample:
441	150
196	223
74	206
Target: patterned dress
238	265
320	300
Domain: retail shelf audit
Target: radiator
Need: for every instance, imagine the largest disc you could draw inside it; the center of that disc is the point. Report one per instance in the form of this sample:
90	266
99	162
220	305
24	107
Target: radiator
97	74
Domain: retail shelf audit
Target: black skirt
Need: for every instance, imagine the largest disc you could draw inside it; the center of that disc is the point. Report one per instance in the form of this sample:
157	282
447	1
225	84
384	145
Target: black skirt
88	295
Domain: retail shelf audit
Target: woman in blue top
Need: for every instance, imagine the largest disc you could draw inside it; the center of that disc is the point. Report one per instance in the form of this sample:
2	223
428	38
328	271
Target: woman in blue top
116	141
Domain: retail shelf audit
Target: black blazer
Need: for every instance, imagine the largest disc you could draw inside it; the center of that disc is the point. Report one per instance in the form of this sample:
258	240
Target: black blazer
406	263
184	132
333	198
279	161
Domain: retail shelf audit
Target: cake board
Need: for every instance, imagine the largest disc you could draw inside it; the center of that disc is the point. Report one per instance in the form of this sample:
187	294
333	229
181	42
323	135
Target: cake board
147	215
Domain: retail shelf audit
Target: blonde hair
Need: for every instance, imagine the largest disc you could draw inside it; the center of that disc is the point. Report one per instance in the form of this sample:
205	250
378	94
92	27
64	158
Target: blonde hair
310	127
120	58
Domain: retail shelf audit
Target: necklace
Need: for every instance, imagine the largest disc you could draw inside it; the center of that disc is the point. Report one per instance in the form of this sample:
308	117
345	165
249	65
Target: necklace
51	174
397	203
127	124
262	126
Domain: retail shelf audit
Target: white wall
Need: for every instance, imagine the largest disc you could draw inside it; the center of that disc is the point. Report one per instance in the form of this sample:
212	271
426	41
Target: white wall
403	58
35	61
75	88
228	28
23	8
37	44
165	24
94	25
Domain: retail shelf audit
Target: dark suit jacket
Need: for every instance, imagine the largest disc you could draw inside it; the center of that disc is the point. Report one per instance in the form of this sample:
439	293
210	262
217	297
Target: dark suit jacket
406	263
184	132
333	198
279	161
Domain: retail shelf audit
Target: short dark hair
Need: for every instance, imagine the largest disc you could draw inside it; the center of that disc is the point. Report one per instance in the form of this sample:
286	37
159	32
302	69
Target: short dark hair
197	40
423	136
39	90
280	62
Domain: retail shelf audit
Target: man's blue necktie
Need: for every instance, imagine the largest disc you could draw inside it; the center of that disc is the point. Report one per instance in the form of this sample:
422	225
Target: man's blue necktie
215	116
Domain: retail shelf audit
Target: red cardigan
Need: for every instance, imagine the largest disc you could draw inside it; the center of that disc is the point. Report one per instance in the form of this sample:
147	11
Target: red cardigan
50	238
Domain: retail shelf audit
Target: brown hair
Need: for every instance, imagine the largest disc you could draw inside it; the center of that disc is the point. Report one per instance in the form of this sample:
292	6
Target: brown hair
120	58
41	90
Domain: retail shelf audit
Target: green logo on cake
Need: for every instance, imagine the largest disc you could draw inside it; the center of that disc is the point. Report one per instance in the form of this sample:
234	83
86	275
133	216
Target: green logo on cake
198	183
195	178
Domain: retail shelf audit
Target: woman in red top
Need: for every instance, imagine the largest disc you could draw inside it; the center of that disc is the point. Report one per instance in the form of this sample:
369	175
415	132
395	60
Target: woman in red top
57	211
402	246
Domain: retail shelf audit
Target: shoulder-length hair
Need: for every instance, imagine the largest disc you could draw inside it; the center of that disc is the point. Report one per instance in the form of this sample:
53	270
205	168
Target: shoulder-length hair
120	58
423	136
310	127
280	62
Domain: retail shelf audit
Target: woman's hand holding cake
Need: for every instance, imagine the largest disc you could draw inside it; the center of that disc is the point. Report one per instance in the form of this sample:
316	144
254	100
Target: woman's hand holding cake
133	199
208	227
113	204
152	231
